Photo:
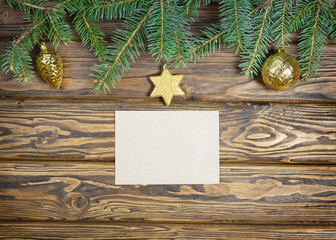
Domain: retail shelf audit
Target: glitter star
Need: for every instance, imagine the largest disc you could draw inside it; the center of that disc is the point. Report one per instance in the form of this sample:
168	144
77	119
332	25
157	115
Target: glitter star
166	85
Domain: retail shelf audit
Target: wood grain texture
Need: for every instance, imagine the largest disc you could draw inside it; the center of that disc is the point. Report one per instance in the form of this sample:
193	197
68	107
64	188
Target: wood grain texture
259	194
248	133
41	230
215	78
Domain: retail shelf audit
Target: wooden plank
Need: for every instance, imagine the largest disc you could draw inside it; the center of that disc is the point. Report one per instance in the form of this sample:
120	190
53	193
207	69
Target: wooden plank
248	133
41	230
215	78
251	194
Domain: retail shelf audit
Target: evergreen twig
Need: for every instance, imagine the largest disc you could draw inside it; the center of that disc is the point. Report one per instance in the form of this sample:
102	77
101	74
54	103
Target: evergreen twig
314	22
260	37
38	7
116	62
212	41
90	33
248	26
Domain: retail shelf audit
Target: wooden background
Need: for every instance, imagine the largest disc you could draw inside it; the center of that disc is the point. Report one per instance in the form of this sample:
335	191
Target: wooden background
277	152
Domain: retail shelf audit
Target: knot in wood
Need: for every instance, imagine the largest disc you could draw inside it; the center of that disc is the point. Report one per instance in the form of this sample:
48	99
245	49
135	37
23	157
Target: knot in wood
77	201
3	14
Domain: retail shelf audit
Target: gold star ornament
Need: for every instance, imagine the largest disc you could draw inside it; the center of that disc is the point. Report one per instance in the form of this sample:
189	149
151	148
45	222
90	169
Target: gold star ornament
166	85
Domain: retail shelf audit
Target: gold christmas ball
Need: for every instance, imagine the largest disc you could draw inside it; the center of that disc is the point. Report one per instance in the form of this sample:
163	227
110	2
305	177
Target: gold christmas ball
50	66
280	71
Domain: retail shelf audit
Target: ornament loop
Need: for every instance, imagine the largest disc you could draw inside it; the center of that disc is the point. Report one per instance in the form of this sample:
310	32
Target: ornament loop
43	46
165	67
281	50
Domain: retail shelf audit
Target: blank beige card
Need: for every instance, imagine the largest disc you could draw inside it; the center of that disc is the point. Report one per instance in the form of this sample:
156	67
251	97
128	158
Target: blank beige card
167	147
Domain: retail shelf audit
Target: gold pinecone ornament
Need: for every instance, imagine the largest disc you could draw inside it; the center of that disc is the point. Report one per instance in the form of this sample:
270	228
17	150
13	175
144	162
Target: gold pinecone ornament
280	71
50	66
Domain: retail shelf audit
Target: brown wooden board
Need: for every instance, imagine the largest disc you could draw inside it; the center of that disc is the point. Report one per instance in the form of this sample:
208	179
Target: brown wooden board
248	133
272	194
215	78
41	230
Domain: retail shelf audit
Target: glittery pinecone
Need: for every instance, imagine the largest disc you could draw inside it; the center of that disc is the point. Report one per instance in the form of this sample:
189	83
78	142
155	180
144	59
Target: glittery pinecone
50	67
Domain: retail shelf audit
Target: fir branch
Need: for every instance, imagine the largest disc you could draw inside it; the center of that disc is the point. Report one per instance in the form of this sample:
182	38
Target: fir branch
191	7
283	23
254	10
307	75
204	46
253	57
90	33
314	26
175	34
17	60
62	3
257	44
239	41
212	39
166	19
129	40
27	33
30	5
116	9
299	14
332	28
180	41
282	18
116	62
56	30
235	21
162	29
113	4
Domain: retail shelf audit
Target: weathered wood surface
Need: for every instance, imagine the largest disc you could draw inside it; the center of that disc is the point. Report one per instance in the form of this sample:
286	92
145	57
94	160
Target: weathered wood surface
262	194
69	136
215	78
41	230
248	133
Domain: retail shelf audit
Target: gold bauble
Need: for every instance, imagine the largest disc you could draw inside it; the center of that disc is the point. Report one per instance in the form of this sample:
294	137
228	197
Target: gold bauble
280	71
50	67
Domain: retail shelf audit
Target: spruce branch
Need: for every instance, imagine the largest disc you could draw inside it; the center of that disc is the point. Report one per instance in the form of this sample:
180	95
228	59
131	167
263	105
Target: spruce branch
19	39
332	28
300	15
307	75
30	37
168	33
191	6
282	18
159	31
212	41
116	62
59	30
260	37
16	59
181	43
34	6
113	10
56	30
235	21
162	29
175	34
239	40
314	24
90	33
